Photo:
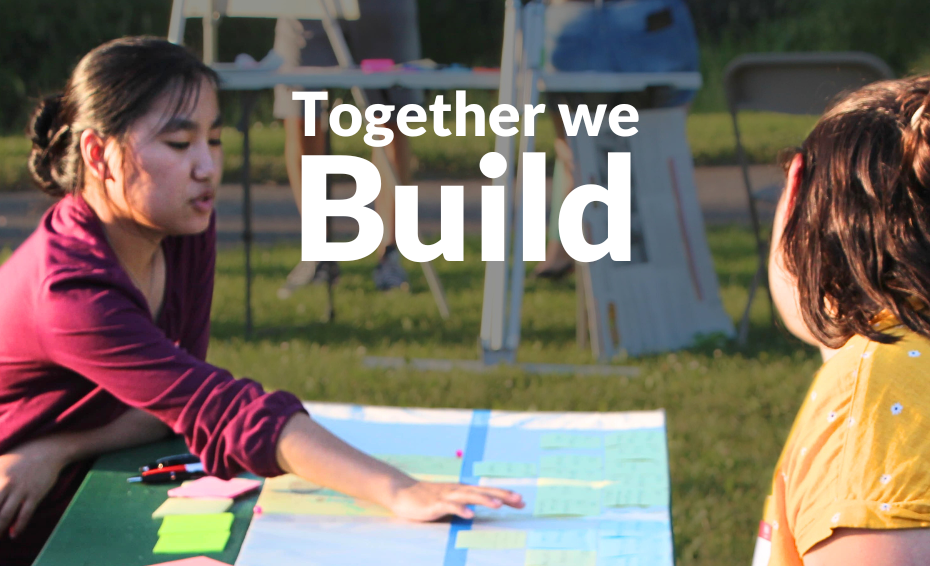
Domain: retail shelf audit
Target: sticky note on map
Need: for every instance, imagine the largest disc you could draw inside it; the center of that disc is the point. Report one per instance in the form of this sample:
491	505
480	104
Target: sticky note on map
493	469
620	495
188	506
556	440
588	468
567	501
569	539
560	558
275	502
429	465
196	561
491	540
191	543
213	522
215	487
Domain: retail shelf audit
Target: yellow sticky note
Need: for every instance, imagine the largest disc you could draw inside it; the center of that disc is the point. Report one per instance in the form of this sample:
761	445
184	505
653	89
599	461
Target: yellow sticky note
560	558
298	503
191	543
211	523
493	540
185	506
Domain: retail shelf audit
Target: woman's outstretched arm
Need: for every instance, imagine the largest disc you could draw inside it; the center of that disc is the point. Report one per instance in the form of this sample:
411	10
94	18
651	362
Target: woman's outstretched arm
310	451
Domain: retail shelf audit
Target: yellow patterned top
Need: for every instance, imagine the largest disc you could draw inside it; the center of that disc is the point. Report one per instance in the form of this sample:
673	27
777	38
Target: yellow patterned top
858	454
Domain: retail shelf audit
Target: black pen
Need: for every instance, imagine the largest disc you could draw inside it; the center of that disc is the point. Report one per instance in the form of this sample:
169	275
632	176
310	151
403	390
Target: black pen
170	474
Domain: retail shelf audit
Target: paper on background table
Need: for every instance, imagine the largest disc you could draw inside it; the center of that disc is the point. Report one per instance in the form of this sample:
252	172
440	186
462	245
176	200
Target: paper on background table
560	558
195	561
572	467
190	543
214	522
490	469
572	539
558	501
556	440
190	506
491	540
214	487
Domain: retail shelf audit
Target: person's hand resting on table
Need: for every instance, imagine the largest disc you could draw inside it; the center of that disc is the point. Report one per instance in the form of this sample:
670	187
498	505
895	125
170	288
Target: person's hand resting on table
29	471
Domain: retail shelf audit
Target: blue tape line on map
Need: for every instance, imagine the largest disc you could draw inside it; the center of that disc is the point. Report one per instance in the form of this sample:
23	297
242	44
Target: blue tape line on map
474	452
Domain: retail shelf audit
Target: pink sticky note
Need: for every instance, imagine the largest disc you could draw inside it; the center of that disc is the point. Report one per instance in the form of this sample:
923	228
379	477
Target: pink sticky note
196	561
214	487
377	65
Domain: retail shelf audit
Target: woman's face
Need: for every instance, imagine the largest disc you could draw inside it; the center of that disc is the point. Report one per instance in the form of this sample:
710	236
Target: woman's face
165	173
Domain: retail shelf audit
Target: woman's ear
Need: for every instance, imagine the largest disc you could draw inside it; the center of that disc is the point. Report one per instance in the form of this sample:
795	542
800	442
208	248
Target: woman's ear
92	152
793	179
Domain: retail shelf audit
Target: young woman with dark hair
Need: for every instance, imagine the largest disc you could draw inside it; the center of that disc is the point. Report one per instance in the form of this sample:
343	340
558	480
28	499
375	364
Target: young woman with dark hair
850	273
104	313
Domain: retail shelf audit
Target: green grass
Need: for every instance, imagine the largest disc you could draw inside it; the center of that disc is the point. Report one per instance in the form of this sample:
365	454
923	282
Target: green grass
710	136
728	410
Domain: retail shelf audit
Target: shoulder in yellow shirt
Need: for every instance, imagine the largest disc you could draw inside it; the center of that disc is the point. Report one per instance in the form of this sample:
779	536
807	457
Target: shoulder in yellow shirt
858	454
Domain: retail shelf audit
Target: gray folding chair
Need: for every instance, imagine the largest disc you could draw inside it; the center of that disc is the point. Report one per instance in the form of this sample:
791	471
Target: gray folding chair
788	83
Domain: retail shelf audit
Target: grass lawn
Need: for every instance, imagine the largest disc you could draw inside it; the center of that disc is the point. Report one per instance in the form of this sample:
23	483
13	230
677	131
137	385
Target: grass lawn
710	136
728	410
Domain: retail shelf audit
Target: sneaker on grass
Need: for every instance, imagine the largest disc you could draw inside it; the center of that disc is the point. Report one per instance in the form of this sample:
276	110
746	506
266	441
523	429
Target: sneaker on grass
390	274
307	272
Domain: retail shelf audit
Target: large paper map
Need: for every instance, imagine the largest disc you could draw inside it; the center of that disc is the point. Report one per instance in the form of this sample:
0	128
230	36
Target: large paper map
596	487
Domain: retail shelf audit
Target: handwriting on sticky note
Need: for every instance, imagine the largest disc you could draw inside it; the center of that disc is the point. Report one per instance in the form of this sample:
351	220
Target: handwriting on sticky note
215	487
493	469
491	540
569	539
557	440
589	468
186	506
560	558
191	543
568	501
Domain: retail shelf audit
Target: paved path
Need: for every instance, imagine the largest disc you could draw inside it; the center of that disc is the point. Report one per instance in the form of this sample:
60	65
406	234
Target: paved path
720	192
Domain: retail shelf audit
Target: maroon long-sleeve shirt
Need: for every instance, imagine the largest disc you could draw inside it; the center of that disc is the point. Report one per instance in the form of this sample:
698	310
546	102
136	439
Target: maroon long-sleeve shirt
78	346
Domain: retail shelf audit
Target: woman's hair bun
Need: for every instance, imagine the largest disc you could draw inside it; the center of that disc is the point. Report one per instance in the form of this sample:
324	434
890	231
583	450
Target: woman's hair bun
50	144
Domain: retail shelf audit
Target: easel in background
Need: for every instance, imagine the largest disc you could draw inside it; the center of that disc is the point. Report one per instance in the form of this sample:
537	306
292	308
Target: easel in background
326	10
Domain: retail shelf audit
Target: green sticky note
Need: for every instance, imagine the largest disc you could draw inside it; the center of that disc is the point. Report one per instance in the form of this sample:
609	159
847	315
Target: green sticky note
567	501
556	440
491	469
429	465
634	438
191	506
191	543
491	540
214	522
589	468
643	470
560	558
619	495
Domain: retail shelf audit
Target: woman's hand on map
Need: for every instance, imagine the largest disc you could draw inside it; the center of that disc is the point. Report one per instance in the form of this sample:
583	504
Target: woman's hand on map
426	501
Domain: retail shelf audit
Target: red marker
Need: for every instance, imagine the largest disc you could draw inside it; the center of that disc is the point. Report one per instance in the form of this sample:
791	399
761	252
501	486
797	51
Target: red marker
189	468
170	474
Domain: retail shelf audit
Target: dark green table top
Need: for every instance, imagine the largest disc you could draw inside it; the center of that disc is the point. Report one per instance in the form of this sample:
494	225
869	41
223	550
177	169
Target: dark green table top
109	521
